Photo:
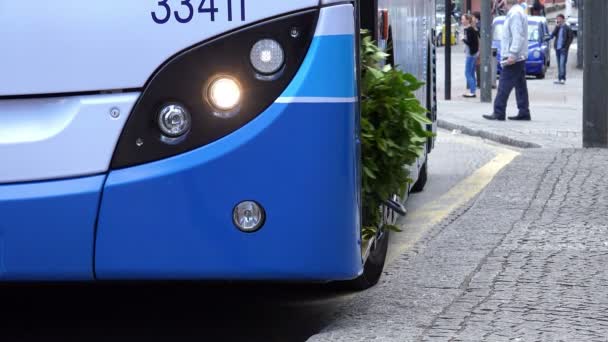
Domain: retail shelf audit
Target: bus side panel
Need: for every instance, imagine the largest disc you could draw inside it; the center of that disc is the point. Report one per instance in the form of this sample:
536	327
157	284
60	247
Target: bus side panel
411	23
172	219
47	229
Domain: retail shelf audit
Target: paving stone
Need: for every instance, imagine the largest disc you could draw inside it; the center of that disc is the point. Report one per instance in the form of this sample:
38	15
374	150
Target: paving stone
526	260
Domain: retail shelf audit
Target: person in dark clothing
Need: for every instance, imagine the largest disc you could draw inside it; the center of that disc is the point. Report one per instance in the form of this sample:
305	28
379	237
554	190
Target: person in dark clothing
471	41
477	20
563	39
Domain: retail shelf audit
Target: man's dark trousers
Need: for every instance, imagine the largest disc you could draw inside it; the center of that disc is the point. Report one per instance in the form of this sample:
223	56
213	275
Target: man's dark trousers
562	61
512	76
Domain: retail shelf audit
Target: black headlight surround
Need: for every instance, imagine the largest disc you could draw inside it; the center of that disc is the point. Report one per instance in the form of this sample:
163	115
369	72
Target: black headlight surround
184	78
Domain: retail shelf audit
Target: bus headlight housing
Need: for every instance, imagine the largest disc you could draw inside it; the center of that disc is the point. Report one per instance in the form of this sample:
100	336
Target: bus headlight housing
224	93
267	56
174	120
219	84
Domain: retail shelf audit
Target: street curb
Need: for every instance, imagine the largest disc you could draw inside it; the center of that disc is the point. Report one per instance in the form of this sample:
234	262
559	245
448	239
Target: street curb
487	135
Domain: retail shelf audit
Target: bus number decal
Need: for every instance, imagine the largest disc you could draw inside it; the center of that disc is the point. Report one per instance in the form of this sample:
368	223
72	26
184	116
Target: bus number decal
184	12
212	9
167	16
187	4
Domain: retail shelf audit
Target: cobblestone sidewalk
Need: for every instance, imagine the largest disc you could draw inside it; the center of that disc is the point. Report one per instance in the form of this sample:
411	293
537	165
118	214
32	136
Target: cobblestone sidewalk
526	261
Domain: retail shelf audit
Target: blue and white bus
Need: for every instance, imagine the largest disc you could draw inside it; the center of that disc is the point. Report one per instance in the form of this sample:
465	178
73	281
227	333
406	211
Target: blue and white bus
192	140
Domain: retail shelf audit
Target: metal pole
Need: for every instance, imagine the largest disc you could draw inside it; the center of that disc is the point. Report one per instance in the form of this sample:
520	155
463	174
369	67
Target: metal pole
580	35
448	49
486	52
595	104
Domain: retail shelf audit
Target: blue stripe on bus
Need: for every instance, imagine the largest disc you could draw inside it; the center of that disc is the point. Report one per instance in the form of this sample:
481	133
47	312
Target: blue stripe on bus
171	219
328	69
47	229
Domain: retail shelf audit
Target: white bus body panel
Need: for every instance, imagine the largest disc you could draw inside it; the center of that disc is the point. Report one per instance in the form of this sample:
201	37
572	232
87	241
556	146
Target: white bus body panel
71	136
65	46
60	137
412	22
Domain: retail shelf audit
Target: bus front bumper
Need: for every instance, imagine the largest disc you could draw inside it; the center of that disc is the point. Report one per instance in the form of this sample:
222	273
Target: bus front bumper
172	219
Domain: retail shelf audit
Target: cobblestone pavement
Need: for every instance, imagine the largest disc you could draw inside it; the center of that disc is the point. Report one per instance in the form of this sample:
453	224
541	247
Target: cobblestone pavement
525	261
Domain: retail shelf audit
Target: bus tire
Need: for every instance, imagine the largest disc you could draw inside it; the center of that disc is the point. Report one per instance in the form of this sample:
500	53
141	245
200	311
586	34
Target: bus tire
422	177
373	267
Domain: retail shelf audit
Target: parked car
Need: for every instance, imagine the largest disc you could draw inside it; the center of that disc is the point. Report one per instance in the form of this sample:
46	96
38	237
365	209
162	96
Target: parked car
539	50
573	23
440	30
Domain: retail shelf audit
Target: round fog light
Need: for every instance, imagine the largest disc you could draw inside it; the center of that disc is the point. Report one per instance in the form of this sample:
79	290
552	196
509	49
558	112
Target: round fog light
267	56
174	120
224	93
248	216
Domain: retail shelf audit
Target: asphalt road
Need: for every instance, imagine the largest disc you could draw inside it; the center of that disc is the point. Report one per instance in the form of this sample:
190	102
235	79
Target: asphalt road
232	312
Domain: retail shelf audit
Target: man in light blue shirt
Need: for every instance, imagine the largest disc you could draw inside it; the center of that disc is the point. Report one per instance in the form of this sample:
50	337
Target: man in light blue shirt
514	51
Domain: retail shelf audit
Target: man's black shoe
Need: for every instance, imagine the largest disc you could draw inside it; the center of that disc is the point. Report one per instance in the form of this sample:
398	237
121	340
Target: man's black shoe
520	118
493	117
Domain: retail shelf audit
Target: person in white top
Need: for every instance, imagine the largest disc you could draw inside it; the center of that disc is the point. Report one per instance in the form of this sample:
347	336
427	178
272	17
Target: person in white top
514	53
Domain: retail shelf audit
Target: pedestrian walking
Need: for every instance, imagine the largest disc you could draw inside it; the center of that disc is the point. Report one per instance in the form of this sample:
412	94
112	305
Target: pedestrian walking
471	41
563	39
514	53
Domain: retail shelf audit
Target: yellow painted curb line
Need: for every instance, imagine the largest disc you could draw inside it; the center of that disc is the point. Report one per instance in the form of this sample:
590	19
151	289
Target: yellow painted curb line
422	220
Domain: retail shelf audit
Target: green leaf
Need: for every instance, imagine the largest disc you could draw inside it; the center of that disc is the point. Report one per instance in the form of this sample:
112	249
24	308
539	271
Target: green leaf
369	173
375	72
393	131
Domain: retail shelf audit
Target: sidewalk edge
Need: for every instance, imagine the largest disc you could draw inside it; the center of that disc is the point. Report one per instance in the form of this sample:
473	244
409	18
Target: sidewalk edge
487	135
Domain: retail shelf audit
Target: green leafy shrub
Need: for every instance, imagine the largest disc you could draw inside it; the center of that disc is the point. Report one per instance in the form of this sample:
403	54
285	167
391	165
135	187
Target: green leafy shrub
393	131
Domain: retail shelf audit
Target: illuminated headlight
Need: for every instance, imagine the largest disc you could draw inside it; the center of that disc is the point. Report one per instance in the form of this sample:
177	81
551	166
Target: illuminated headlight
248	216
174	120
225	93
536	54
267	56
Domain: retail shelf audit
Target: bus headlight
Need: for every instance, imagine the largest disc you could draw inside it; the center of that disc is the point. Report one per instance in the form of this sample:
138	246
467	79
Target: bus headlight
536	54
267	56
174	120
217	83
248	216
224	93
